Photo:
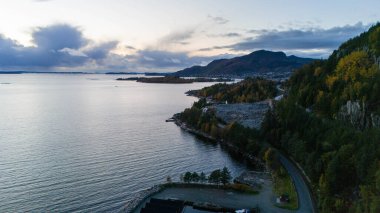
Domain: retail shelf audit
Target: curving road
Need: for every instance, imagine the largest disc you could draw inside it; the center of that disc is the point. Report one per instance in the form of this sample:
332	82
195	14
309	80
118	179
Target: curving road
305	202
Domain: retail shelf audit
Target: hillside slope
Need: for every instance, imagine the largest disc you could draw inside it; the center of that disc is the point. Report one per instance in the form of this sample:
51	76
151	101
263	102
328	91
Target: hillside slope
261	61
329	123
347	85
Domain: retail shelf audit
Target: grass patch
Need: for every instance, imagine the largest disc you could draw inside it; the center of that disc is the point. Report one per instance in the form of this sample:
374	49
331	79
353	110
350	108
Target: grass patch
242	188
283	185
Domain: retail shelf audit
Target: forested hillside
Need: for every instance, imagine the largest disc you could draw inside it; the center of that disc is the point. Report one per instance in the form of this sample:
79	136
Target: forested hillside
245	91
329	123
350	73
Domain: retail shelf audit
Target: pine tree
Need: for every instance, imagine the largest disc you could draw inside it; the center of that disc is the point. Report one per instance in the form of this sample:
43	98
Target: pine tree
225	176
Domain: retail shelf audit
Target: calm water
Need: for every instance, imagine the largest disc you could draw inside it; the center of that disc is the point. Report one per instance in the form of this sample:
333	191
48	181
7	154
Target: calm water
88	143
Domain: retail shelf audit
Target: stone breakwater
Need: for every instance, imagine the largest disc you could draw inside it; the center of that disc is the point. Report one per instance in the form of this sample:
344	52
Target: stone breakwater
140	197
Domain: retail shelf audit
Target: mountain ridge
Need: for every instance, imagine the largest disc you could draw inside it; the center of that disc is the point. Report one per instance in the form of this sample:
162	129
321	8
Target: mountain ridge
261	61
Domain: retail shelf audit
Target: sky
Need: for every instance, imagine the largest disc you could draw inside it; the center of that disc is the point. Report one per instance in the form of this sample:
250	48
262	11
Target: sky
169	35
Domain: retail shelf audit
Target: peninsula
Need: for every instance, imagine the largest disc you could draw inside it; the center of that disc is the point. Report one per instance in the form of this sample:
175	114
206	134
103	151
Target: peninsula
173	80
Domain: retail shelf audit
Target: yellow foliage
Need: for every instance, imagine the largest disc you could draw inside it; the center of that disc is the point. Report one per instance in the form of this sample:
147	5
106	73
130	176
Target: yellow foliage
354	66
320	96
318	71
330	80
218	96
370	72
374	39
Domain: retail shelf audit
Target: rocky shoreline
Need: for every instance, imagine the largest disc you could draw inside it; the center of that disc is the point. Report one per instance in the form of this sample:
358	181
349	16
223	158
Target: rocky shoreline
140	197
231	147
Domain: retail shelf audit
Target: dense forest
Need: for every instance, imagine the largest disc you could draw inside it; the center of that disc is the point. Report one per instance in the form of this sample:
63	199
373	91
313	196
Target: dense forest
350	73
247	90
341	158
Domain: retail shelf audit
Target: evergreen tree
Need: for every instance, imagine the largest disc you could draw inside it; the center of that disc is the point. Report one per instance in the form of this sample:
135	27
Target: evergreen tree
202	177
187	177
195	177
215	176
225	176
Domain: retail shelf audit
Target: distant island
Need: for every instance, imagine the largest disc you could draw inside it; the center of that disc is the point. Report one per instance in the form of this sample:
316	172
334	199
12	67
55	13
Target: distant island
173	80
272	65
40	72
10	72
139	73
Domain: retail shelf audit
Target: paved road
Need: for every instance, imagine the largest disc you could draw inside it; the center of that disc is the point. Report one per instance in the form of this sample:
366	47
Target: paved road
304	198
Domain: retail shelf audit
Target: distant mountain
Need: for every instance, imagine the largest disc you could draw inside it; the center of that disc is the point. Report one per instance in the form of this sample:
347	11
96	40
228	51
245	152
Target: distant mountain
257	62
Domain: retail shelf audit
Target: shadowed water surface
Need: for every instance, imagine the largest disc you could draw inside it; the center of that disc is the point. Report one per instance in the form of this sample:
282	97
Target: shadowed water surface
88	143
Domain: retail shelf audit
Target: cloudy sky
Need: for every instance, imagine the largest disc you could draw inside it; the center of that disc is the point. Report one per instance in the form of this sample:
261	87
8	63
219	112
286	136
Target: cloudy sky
168	35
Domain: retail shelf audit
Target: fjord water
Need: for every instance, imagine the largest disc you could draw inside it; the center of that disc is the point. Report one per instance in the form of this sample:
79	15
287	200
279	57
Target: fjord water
88	143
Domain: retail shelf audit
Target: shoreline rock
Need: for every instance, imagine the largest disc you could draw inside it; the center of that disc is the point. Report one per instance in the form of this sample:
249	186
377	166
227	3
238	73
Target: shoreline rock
231	147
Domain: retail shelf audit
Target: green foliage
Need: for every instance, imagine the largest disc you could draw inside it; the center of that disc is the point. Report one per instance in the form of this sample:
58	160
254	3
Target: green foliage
241	188
220	176
351	73
337	158
283	185
343	163
248	90
195	177
192	177
215	176
202	177
187	177
270	159
225	176
368	40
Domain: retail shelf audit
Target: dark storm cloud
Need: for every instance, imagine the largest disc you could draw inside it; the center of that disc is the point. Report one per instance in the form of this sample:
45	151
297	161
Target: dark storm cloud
157	58
55	46
65	46
101	51
300	39
57	37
